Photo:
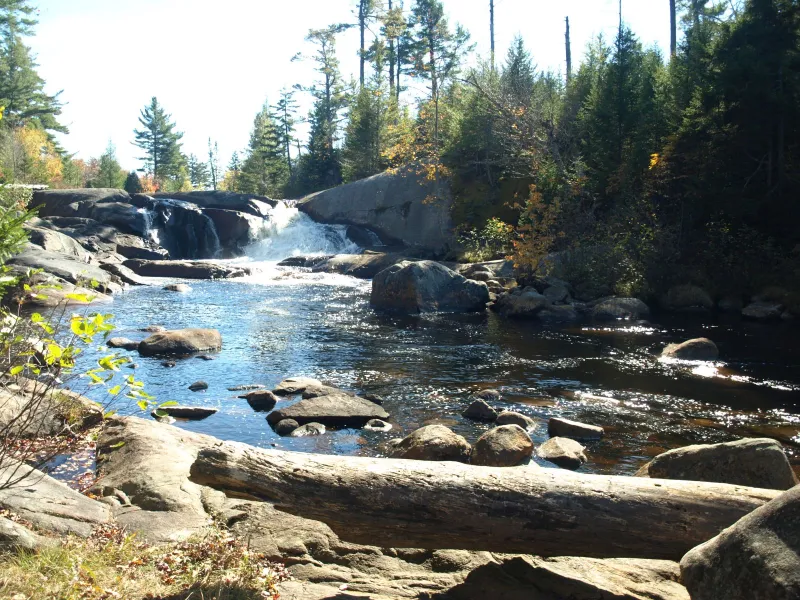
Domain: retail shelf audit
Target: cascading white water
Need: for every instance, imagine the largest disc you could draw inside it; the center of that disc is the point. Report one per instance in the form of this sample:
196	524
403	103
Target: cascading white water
289	232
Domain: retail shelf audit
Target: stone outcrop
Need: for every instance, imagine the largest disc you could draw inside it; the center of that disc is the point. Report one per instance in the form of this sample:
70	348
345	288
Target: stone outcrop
63	266
108	206
521	303
181	342
756	558
402	207
558	427
184	269
426	286
363	266
433	442
756	462
613	309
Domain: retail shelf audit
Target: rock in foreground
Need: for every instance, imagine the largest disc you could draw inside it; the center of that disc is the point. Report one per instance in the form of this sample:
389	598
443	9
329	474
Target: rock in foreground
426	286
504	446
564	452
756	558
181	342
433	442
759	462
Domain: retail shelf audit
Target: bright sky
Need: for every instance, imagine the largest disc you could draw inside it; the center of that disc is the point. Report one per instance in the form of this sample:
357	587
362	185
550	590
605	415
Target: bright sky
212	64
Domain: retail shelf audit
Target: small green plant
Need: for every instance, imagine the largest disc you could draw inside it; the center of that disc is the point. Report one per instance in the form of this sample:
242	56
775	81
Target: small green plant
492	241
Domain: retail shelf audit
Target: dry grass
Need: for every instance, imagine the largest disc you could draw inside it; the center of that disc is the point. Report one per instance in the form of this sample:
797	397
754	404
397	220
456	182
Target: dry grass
112	565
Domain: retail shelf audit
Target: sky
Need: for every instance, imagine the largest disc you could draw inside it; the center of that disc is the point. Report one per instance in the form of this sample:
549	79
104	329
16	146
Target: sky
212	64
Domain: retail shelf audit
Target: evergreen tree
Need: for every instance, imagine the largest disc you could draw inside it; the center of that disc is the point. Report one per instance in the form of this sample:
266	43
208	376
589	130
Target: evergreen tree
518	74
232	179
286	120
213	164
264	170
110	174
132	184
366	12
160	142
199	176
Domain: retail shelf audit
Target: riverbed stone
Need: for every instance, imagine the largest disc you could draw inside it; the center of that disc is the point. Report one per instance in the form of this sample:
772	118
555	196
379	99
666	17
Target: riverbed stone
336	410
123	273
187	412
756	462
285	426
503	446
426	286
564	452
756	558
181	342
122	342
198	386
614	309
261	400
525	303
308	430
432	442
295	385
178	287
479	410
510	417
687	298
763	311
378	425
558	427
694	349
185	269
489	395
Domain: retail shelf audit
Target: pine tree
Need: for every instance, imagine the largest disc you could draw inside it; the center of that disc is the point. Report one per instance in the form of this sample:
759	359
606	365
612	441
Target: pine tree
132	184
518	75
199	176
366	12
264	170
110	174
213	164
160	142
232	180
286	120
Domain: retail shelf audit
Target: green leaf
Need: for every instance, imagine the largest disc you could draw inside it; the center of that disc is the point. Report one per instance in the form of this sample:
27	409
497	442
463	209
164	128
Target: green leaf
142	404
16	370
168	403
115	390
117	445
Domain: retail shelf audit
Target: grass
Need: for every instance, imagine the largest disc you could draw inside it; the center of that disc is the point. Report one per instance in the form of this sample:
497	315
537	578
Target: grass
114	565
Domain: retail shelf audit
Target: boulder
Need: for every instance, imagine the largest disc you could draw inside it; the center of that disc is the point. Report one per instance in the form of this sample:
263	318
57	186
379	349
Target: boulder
564	452
378	425
426	286
560	313
763	311
261	400
336	410
557	294
503	446
305	261
107	206
614	309
141	251
758	462
236	230
363	266
558	427
757	558
509	417
198	386
295	385
63	266
562	578
731	304
185	269
61	294
484	276
57	242
432	442
121	342
479	410
363	237
308	430
15	537
398	206
178	287
525	303
286	426
186	412
36	409
123	273
687	298
490	395
695	349
181	342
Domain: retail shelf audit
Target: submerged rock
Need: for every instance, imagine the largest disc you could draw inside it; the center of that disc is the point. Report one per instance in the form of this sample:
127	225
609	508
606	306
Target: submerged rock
490	395
198	386
121	342
558	427
613	309
336	410
378	425
308	430
758	462
186	412
479	410
181	342
426	286
503	446
695	349
509	417
178	287
564	452
757	558
285	426
432	442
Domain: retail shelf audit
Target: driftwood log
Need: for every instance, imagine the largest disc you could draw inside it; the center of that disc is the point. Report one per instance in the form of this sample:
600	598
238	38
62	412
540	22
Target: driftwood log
436	505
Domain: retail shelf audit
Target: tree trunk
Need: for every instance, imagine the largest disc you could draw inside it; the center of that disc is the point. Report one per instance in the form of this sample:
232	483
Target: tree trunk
531	510
673	29
569	51
362	25
392	59
491	29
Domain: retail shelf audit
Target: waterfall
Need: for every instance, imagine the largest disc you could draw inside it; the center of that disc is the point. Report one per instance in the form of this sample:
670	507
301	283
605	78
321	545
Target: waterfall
183	229
289	232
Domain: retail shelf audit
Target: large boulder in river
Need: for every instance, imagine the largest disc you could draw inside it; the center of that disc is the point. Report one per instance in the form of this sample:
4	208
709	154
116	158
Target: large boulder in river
687	298
433	442
403	207
181	342
334	409
614	309
184	269
525	303
363	266
758	558
503	446
694	349
426	286
759	462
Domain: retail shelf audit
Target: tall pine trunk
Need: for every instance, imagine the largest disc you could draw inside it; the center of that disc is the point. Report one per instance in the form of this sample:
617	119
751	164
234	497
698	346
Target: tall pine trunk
673	29
362	25
569	51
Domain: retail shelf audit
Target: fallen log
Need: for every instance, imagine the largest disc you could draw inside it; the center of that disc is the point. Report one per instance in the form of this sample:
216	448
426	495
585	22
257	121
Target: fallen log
437	505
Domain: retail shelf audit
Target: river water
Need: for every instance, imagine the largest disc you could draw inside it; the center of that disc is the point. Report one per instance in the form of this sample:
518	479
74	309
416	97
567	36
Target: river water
282	322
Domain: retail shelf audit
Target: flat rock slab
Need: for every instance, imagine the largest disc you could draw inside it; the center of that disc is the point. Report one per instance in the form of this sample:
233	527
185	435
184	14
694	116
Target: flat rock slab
296	385
558	427
184	269
64	266
335	410
50	504
187	412
182	342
